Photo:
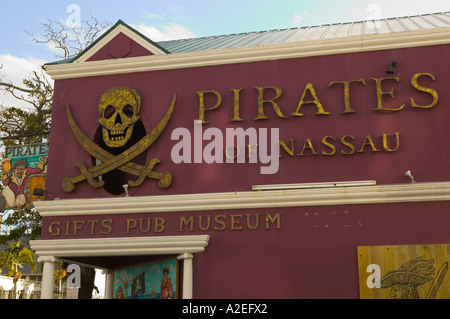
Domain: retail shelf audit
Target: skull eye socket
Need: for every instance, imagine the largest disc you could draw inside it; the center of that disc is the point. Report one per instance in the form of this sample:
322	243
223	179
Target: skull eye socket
109	111
128	110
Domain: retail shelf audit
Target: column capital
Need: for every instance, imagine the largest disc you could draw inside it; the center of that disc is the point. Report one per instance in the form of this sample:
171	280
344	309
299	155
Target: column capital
43	259
185	256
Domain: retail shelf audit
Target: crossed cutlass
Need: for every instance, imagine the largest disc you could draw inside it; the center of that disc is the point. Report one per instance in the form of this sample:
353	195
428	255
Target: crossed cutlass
123	161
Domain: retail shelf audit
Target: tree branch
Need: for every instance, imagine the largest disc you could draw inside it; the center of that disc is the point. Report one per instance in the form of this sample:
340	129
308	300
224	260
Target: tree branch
12	86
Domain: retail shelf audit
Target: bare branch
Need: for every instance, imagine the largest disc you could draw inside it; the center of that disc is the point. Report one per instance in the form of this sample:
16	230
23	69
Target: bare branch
71	40
19	125
13	87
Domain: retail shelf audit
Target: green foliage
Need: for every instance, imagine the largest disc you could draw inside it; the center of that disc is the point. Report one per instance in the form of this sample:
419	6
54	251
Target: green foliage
19	125
25	225
15	256
28	125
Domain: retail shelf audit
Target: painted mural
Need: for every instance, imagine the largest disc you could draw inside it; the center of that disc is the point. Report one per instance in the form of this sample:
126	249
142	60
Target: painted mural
24	170
153	280
404	272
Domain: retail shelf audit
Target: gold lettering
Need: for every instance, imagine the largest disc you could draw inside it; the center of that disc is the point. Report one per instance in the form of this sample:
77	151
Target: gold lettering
202	109
108	228
328	144
346	143
235	223
159	224
220	219
147	229
252	150
288	150
270	219
261	101
131	224
310	88
236	117
58	230
184	222
68	228
368	141
255	225
380	94
227	154
308	145
385	142
347	106
208	222
77	227
432	92
92	223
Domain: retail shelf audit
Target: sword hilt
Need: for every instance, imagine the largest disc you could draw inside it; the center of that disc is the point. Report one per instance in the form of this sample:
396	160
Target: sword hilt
68	183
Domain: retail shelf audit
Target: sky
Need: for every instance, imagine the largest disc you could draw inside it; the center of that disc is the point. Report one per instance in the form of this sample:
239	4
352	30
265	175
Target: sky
174	19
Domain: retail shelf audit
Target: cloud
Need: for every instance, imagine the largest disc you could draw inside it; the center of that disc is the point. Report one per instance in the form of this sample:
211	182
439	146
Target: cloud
15	70
156	16
297	19
170	32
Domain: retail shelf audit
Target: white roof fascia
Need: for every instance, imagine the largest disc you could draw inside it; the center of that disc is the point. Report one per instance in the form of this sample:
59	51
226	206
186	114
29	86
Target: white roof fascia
363	43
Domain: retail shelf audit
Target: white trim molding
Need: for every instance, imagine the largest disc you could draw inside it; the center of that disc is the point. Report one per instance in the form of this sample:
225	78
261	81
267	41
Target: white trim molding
406	39
182	246
123	246
116	31
347	195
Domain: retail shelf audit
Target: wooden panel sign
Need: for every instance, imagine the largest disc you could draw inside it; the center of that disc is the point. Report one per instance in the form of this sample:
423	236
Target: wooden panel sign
404	272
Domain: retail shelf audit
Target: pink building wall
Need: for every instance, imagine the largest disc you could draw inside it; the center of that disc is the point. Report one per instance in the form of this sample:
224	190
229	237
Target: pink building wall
311	253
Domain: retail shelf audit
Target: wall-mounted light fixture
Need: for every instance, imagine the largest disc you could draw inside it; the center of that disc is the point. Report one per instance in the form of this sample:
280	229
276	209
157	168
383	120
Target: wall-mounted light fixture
408	173
312	185
125	187
391	66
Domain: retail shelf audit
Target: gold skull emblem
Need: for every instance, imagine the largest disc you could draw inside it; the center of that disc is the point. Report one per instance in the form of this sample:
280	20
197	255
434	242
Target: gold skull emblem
118	110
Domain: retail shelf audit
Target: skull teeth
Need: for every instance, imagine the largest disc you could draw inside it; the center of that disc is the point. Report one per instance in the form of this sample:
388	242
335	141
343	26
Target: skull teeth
117	132
117	135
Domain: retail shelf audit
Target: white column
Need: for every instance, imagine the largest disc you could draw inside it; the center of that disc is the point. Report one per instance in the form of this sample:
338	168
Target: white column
109	283
48	276
188	275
